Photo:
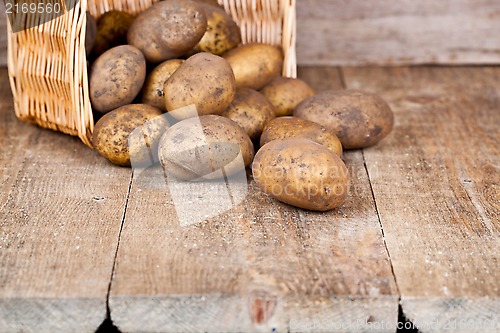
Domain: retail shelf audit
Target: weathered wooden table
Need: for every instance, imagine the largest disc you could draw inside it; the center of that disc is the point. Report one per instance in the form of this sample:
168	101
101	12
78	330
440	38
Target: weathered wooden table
419	234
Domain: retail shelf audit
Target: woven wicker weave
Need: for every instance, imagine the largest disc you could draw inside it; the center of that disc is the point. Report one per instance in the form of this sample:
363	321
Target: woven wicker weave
48	67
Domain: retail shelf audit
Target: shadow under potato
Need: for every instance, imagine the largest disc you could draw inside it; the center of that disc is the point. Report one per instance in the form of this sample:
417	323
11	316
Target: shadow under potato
194	201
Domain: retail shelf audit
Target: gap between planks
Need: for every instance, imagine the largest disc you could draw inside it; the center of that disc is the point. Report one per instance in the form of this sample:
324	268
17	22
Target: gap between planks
344	85
381	225
60	213
118	244
435	179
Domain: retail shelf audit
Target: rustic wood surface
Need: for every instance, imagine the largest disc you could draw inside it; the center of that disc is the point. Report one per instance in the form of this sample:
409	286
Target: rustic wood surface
421	226
339	32
61	208
256	267
384	32
436	181
3	35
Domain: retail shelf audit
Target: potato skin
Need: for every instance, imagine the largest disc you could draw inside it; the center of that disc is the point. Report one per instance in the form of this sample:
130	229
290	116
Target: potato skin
286	93
196	147
301	173
251	110
152	91
111	133
255	65
358	118
293	127
116	78
222	32
205	80
168	29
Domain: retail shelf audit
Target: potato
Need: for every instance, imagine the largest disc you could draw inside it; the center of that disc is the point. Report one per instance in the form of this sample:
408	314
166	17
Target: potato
152	91
255	65
301	173
198	147
359	119
168	29
251	110
222	32
112	28
205	80
286	93
116	77
90	33
288	127
112	134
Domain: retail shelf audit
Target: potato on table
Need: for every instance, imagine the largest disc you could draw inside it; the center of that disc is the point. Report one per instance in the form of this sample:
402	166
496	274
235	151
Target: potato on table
112	133
359	119
205	80
116	78
301	173
168	29
255	65
198	148
286	93
251	110
152	92
293	127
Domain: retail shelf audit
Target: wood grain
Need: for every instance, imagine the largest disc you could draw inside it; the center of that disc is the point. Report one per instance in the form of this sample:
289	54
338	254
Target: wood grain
321	78
61	207
339	32
3	35
383	32
263	265
258	266
436	183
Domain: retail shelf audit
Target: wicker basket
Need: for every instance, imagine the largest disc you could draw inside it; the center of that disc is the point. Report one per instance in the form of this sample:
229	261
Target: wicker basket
48	67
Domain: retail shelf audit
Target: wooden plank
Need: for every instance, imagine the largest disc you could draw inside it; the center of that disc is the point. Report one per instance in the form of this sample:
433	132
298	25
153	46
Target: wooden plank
339	32
436	183
3	36
259	266
61	207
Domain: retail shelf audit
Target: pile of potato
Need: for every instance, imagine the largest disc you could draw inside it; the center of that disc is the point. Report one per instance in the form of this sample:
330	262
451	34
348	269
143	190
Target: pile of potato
175	85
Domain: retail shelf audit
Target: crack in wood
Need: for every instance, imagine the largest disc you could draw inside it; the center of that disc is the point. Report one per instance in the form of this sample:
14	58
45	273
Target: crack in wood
106	326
